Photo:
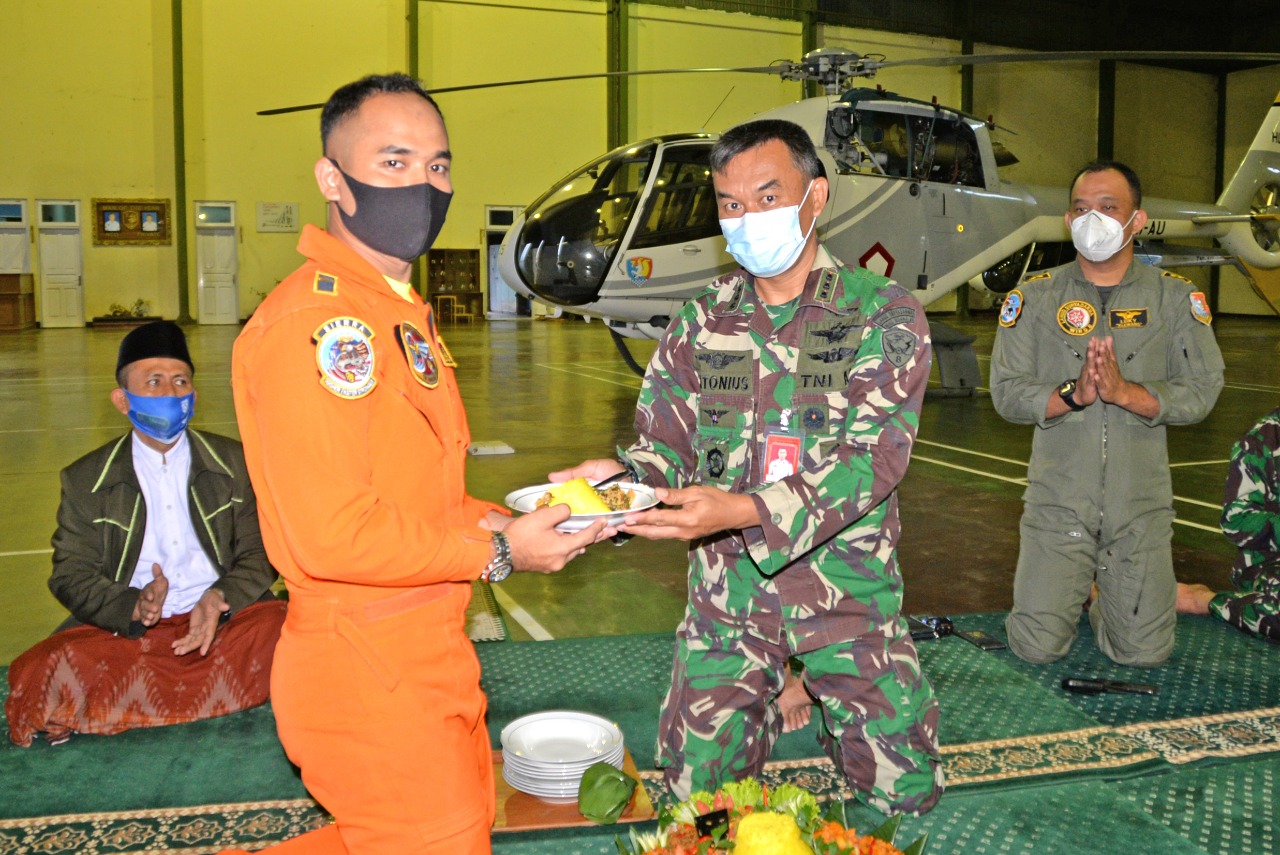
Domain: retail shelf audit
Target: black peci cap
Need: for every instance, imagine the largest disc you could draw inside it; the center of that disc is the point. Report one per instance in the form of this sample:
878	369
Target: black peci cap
158	339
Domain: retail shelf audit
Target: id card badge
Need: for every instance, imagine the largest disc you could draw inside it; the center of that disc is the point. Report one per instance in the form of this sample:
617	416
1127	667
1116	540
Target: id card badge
782	447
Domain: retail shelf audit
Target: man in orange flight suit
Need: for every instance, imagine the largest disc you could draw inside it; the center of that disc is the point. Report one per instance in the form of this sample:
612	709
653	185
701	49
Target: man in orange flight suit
355	439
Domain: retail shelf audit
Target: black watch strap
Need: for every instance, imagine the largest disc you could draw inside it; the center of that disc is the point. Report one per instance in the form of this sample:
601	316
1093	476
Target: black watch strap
1067	392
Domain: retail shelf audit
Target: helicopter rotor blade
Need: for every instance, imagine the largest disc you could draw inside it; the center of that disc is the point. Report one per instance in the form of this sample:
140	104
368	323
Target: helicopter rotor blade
841	66
1080	56
765	69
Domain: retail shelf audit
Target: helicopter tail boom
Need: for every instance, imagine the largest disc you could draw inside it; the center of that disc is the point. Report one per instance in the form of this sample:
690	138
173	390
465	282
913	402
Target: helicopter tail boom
1254	190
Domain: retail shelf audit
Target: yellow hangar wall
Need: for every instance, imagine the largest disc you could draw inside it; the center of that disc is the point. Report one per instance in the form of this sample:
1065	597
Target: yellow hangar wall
87	106
89	109
510	143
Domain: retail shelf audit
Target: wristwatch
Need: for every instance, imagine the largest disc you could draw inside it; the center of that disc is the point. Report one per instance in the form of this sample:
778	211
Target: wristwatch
1067	392
500	567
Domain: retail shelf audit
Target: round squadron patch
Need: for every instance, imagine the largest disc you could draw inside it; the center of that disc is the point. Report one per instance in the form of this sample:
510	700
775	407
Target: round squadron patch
345	356
1076	317
417	350
814	417
1200	308
1011	309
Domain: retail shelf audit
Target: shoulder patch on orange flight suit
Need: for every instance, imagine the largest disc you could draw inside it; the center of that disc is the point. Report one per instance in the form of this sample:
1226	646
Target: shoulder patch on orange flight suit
345	357
1200	308
417	350
325	283
1169	274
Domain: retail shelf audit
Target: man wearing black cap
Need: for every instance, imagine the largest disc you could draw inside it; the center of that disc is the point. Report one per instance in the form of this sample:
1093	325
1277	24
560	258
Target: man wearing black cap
157	555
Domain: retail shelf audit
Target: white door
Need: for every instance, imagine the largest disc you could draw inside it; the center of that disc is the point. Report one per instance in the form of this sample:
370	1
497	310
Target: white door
218	265
502	300
61	279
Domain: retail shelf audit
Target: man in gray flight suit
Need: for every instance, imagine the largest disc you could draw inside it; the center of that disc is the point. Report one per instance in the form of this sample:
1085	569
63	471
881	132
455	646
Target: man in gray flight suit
1100	355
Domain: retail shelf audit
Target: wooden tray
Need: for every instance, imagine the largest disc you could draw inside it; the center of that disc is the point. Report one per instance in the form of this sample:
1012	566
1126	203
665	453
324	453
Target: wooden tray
519	811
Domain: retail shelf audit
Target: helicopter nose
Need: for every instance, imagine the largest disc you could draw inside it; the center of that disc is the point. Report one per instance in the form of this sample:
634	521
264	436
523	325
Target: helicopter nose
507	267
554	254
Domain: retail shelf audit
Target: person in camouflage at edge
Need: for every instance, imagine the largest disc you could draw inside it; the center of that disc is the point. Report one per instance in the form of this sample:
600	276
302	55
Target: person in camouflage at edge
830	363
1250	520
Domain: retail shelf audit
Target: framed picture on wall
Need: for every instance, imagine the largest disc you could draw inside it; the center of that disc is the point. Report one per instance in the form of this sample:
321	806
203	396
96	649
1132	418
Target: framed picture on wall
131	222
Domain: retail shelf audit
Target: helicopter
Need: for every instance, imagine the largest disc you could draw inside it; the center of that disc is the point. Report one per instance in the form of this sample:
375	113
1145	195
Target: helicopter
628	238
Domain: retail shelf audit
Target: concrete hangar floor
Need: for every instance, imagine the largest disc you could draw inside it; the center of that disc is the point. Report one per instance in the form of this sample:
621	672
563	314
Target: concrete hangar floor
557	392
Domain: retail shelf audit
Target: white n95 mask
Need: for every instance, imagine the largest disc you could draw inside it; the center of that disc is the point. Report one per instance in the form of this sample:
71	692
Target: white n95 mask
766	243
1098	237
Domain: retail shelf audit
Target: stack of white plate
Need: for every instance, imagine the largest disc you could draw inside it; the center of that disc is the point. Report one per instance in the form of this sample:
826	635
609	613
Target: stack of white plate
546	754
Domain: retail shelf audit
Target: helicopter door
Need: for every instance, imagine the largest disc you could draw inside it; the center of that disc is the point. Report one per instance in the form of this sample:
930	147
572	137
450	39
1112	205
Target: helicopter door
676	241
948	162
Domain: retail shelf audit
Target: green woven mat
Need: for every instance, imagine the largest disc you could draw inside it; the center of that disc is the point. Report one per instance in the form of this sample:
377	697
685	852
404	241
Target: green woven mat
1010	734
191	831
623	678
1213	669
1221	808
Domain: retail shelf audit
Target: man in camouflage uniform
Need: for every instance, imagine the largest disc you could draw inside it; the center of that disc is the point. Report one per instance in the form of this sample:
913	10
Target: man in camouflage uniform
1100	355
1250	520
831	364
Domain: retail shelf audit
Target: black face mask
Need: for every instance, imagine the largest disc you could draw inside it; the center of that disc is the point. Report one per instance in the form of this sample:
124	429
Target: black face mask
402	222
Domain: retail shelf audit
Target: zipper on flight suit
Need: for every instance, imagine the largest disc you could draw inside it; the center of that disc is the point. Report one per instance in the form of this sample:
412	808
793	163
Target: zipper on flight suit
1138	601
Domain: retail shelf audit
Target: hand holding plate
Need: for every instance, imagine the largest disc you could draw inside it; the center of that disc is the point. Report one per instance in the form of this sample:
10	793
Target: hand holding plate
695	512
537	546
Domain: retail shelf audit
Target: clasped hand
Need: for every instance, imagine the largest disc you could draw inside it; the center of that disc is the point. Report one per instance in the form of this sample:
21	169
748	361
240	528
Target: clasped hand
1100	379
1103	369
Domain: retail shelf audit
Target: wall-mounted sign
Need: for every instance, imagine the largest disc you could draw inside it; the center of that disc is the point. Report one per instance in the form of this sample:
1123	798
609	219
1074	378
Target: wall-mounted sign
130	222
278	216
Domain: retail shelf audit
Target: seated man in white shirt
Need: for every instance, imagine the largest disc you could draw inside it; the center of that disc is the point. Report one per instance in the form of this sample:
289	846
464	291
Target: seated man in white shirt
159	559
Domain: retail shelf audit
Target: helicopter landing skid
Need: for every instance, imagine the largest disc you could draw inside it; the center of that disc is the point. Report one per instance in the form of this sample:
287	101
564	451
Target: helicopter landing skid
621	343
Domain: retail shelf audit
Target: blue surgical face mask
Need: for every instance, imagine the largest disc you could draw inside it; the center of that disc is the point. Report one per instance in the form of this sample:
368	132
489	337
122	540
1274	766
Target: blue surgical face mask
161	417
767	243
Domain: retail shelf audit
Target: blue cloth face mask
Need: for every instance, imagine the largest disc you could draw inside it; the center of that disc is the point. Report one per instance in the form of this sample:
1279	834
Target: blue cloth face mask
766	243
161	417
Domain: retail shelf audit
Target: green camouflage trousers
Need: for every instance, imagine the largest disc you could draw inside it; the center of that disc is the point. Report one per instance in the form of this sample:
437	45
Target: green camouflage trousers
1255	604
879	721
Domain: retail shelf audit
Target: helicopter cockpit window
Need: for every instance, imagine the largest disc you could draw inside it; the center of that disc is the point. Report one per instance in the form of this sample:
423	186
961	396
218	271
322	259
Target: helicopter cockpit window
881	142
571	234
947	152
682	204
624	185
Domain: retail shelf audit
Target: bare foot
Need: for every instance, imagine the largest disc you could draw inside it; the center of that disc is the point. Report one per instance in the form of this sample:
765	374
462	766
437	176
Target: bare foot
1193	599
794	703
